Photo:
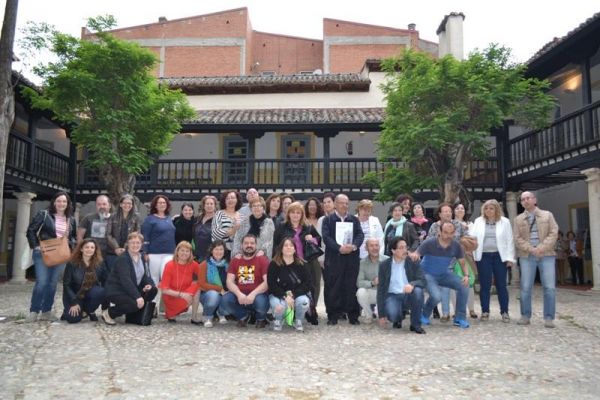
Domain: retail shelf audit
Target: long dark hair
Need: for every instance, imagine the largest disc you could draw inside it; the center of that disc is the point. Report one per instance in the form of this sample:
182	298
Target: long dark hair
77	257
68	210
278	257
133	211
153	209
319	207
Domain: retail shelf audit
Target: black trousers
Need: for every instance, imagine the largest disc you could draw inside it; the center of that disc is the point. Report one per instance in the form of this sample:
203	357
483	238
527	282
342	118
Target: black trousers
124	304
576	264
340	276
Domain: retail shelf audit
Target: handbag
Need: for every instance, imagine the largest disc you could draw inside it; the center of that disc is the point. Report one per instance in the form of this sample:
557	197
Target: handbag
458	271
55	251
142	317
311	251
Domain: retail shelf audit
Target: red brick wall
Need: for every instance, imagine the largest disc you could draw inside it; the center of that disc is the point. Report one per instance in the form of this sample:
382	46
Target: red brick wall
202	61
334	27
351	58
285	54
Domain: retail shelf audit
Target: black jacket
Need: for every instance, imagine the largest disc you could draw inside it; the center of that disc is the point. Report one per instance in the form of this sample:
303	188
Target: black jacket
72	280
294	277
45	220
121	280
285	230
409	234
414	274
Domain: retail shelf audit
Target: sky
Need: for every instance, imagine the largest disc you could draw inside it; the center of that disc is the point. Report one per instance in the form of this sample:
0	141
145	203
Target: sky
524	26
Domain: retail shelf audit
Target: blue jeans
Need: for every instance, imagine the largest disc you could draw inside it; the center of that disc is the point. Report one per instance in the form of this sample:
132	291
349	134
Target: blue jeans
42	297
301	304
445	300
548	276
395	304
210	302
450	280
491	265
230	305
93	298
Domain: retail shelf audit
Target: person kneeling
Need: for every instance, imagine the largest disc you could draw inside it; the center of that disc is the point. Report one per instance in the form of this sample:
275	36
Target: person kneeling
178	287
82	293
129	286
289	282
401	283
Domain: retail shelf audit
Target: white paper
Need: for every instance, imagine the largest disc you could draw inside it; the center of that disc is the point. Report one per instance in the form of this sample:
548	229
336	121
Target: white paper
343	232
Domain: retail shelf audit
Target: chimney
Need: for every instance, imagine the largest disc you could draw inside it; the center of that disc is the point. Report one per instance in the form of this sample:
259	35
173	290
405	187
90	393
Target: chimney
450	35
162	19
412	27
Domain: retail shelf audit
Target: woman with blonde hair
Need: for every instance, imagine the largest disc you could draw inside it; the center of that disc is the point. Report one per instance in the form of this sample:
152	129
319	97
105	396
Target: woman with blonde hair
494	253
370	225
179	290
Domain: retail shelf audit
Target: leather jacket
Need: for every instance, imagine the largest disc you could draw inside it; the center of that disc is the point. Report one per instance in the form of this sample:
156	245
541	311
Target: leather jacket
45	220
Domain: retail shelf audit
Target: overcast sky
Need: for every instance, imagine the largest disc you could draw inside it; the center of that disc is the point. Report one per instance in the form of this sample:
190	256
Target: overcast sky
525	26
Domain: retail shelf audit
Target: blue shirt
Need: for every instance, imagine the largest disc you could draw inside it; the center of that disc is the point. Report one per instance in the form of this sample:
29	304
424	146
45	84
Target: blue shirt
159	235
437	259
398	278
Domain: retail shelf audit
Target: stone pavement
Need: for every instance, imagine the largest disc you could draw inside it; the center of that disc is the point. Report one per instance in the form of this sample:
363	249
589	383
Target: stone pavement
182	361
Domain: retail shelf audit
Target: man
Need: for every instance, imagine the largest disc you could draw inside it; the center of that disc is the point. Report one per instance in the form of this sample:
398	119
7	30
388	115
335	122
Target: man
343	236
94	225
535	233
367	281
245	211
401	284
247	284
438	254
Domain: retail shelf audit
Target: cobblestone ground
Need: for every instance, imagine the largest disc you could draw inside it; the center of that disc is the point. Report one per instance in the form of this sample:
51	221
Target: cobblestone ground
183	361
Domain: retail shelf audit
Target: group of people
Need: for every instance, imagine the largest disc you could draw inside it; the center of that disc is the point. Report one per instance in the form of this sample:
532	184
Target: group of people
264	260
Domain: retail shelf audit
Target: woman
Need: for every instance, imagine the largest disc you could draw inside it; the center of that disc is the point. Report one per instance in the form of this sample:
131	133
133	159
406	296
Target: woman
406	201
82	290
370	225
313	211
300	231
460	217
273	207
286	200
203	227
398	225
560	248
120	225
260	226
289	283
420	221
54	222
494	253
129	287
575	256
184	224
159	231
178	288
227	220
211	280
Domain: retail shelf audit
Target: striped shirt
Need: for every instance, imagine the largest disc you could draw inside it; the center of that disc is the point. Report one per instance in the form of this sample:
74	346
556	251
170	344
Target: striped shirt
60	223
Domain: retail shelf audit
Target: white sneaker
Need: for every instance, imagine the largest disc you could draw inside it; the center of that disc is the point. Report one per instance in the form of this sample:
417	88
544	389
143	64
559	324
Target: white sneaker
208	322
222	319
277	325
298	325
47	316
32	317
107	319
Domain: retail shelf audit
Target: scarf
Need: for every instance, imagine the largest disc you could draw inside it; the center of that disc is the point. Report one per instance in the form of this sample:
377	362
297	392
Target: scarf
89	280
255	224
399	225
419	220
212	271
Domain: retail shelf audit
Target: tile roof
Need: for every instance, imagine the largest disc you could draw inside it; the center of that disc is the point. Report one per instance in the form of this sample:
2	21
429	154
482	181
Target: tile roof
557	41
291	116
270	83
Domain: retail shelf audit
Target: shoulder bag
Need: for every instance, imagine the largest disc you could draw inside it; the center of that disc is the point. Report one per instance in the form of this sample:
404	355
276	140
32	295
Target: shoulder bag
55	251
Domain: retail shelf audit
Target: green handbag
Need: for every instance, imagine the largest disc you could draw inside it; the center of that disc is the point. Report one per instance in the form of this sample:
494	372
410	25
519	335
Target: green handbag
458	271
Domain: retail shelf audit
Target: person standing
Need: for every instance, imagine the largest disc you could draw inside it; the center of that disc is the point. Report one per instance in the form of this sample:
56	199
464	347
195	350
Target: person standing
120	225
343	236
494	253
257	224
54	222
370	225
94	225
203	227
184	224
227	220
535	233
575	257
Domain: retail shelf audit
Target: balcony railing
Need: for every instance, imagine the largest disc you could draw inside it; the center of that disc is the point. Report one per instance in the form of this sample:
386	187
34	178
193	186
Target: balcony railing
568	133
36	162
315	173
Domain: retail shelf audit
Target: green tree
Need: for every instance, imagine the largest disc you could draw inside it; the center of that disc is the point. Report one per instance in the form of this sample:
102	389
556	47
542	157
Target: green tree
105	88
440	113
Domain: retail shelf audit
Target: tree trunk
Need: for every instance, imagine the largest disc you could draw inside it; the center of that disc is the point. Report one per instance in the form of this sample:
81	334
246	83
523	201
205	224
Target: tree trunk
7	99
117	182
452	186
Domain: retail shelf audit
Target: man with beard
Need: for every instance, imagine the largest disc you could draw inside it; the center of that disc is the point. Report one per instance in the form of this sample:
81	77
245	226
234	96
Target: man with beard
247	285
94	225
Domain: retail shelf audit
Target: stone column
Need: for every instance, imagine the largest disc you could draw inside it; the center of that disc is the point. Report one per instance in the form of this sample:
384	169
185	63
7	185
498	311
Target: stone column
23	216
511	208
593	186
